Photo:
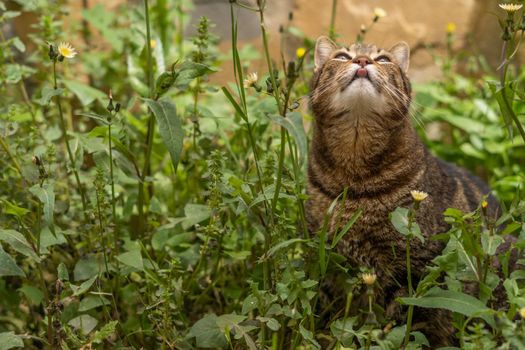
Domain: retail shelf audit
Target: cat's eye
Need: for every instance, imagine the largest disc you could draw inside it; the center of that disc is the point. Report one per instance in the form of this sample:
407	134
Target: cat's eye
342	56
382	59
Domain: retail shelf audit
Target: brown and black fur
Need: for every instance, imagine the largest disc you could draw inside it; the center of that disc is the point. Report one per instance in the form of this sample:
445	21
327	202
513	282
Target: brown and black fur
379	158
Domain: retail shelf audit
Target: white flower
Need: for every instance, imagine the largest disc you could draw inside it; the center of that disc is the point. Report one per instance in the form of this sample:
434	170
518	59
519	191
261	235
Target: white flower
66	50
511	7
251	80
379	12
419	195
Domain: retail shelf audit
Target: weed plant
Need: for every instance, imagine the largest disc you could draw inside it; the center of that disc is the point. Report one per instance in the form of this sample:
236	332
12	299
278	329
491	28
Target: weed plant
145	207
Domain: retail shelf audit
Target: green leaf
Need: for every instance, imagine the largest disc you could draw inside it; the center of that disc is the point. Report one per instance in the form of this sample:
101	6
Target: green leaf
18	242
170	127
8	266
62	273
461	303
490	242
309	337
85	93
91	302
133	259
84	287
86	268
207	333
84	323
9	340
228	321
105	332
188	71
293	123
347	227
47	94
250	303
34	294
18	44
13	209
502	94
47	197
280	246
343	330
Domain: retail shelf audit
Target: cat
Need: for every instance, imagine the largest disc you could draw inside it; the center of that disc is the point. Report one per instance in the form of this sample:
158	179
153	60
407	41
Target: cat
363	140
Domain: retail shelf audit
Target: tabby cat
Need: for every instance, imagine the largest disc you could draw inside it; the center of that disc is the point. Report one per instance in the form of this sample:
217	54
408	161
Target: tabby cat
364	141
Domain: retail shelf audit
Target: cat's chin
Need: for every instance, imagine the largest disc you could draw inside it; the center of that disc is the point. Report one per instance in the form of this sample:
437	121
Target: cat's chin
360	98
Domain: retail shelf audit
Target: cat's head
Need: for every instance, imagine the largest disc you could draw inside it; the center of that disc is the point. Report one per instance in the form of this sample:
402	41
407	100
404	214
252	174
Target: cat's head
360	82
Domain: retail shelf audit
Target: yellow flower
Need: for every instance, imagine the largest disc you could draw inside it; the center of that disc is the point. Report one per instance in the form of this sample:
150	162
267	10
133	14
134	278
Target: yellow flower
300	52
66	50
419	195
153	43
522	312
511	7
379	12
451	27
484	204
369	278
251	80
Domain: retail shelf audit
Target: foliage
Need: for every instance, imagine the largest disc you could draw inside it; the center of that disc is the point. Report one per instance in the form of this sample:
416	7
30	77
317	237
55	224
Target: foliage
169	212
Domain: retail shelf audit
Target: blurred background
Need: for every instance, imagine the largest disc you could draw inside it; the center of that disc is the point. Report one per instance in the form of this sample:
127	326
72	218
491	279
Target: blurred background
423	24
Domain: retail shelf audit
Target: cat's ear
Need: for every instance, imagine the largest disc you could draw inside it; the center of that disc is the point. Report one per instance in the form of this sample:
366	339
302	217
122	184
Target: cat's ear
323	48
401	52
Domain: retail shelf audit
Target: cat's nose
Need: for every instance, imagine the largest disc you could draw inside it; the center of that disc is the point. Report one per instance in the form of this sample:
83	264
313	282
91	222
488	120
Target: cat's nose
362	61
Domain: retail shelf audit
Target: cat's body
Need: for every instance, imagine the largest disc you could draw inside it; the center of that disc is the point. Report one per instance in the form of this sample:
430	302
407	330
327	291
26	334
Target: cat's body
364	141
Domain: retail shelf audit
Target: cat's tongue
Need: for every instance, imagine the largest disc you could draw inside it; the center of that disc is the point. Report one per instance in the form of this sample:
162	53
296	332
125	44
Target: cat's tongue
362	73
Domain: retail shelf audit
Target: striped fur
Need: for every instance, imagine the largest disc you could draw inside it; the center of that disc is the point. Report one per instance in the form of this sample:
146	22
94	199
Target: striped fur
363	140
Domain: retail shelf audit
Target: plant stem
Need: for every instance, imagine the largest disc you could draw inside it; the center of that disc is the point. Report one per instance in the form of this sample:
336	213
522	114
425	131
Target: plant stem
411	217
5	146
503	80
331	32
68	148
150	134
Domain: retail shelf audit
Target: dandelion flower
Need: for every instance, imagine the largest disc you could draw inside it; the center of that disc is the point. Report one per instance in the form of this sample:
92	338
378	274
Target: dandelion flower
251	80
484	204
451	27
369	278
522	312
300	52
510	8
419	195
66	50
379	12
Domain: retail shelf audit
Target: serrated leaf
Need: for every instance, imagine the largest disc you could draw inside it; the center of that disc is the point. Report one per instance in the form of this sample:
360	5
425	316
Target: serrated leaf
170	127
8	266
18	242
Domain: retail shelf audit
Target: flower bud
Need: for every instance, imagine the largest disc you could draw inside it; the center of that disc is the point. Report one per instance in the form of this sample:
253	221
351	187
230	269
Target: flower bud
117	107
52	52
